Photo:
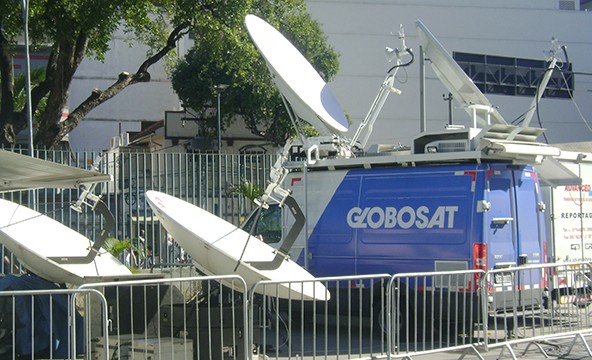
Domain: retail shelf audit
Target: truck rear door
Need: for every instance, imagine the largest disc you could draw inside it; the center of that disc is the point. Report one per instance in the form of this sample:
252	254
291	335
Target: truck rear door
513	229
530	232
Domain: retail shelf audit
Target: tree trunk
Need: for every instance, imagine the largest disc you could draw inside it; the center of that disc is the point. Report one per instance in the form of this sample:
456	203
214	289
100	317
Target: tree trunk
64	60
7	94
69	55
97	97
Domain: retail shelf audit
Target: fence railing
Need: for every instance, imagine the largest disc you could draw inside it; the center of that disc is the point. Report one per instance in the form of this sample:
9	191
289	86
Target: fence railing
351	324
370	316
46	323
174	318
199	178
532	313
436	310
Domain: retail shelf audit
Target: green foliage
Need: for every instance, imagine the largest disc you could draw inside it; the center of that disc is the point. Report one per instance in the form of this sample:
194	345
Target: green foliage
55	21
70	30
247	189
76	29
116	247
20	91
225	54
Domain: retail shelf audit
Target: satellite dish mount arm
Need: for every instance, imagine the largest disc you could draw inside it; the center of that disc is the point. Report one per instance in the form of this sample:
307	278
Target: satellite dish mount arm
282	196
101	207
96	204
544	82
385	89
281	254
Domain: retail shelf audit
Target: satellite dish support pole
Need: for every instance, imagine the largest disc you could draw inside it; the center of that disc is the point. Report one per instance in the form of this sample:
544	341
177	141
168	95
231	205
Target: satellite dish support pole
422	95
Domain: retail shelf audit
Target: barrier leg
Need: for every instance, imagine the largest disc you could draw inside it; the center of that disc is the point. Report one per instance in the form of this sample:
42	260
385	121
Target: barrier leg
538	345
579	336
507	346
473	349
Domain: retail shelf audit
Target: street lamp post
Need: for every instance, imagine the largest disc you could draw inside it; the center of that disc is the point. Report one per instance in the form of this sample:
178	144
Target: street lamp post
25	9
219	89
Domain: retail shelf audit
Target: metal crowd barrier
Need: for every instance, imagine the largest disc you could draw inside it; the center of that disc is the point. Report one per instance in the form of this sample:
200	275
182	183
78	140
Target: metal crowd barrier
180	318
532	315
477	311
368	317
437	310
350	324
46	324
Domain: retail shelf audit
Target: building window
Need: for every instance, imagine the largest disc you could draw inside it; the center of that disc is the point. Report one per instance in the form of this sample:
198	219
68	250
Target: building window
567	4
581	5
514	76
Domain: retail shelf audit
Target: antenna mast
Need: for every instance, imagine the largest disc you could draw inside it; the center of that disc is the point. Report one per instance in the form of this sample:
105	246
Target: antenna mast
385	89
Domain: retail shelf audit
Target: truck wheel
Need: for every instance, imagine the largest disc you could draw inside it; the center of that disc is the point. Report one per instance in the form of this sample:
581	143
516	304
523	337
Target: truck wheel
380	319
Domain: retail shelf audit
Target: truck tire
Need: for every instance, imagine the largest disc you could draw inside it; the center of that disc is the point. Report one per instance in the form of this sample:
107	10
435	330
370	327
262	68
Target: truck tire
380	319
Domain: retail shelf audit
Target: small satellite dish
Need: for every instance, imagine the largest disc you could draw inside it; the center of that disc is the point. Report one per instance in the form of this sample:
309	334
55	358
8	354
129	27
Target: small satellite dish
454	78
36	239
301	85
217	247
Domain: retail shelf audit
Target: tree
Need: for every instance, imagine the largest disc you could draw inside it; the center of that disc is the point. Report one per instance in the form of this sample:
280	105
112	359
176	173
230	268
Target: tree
75	29
231	58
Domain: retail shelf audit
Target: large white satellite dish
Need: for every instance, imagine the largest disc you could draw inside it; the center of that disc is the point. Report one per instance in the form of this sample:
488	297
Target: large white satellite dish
217	247
38	241
455	79
301	85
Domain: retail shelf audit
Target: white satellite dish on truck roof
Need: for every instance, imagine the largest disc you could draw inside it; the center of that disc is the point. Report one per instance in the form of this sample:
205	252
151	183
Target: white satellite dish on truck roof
455	79
217	247
39	242
308	94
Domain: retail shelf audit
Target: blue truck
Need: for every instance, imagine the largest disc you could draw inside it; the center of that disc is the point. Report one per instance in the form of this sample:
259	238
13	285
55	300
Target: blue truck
428	218
375	216
467	197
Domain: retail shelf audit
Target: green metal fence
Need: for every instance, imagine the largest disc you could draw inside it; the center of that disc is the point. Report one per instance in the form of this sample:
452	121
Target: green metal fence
204	179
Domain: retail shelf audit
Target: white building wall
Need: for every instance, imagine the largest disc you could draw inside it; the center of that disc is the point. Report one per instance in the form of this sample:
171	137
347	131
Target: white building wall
360	30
